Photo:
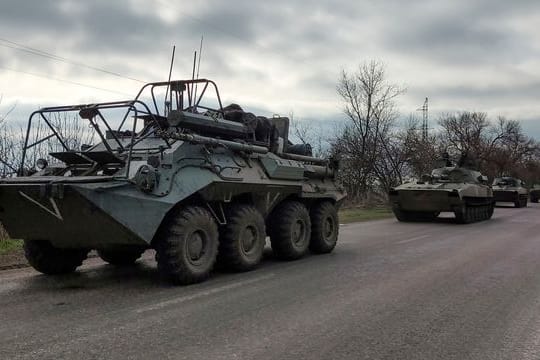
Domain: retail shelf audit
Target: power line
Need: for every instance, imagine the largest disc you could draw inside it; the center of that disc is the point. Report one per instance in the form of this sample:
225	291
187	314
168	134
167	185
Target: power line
20	47
66	81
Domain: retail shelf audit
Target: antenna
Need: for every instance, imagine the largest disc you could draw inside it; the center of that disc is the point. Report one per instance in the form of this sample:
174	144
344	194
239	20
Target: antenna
198	67
168	103
192	100
424	110
200	55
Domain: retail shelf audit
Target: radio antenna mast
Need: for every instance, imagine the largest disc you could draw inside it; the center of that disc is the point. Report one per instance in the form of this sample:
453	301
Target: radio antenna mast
198	68
191	94
168	103
200	55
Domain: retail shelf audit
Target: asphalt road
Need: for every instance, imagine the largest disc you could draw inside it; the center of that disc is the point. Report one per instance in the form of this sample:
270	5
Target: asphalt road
389	291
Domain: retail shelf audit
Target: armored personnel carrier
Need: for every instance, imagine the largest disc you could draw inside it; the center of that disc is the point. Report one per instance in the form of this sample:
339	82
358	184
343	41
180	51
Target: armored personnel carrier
509	189
175	171
534	193
455	189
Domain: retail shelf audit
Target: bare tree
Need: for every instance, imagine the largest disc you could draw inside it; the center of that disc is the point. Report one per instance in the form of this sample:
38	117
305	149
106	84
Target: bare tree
465	132
365	142
500	148
513	153
309	133
12	140
7	144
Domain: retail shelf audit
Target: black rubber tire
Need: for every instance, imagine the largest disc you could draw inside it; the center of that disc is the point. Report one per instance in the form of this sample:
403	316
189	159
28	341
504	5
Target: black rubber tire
324	228
187	246
290	230
242	239
534	200
121	256
518	203
47	259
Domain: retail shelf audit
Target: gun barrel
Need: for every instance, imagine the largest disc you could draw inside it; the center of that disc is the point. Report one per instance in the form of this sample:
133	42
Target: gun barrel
233	145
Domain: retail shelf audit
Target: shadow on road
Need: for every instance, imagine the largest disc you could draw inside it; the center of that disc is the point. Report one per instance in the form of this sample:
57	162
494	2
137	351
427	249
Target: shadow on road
142	276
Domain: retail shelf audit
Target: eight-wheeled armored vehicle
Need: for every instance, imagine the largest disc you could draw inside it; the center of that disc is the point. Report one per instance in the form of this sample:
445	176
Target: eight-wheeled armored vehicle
455	189
509	189
172	170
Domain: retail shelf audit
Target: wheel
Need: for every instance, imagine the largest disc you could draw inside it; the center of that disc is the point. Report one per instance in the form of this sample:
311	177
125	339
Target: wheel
476	213
464	214
46	258
290	230
121	256
534	200
524	202
242	239
324	228
518	203
187	245
491	209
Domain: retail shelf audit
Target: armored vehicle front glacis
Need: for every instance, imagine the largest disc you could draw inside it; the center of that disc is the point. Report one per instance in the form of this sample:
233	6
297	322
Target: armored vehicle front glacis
534	193
169	171
453	189
509	189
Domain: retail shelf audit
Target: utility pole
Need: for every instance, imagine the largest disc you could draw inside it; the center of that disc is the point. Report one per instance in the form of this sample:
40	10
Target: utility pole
424	110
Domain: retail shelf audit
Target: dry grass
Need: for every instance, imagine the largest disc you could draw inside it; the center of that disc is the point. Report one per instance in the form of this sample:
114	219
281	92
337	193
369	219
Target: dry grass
357	214
8	245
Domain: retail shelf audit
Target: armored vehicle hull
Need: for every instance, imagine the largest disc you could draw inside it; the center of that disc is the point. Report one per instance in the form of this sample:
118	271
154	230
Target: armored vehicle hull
508	189
193	185
457	193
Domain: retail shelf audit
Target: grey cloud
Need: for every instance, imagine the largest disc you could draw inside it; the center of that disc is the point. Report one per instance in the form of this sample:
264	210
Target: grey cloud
466	32
494	8
113	26
27	16
493	94
306	41
457	40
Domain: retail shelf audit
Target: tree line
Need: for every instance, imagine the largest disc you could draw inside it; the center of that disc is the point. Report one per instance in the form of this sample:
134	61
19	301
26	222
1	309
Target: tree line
377	153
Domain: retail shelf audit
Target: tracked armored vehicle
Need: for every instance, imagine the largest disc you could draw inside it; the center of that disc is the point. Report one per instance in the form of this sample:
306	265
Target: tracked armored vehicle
462	191
171	170
534	193
509	189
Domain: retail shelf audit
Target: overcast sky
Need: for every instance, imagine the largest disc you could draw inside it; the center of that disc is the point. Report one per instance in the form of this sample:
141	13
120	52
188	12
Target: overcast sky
277	56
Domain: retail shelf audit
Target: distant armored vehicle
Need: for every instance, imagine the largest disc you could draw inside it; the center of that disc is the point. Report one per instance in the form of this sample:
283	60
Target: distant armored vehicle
462	191
534	193
170	171
509	189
